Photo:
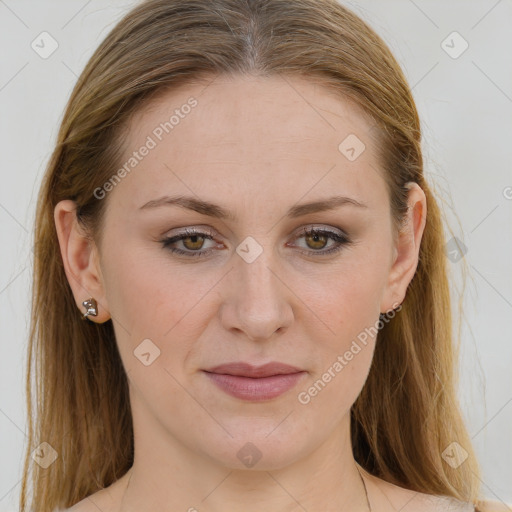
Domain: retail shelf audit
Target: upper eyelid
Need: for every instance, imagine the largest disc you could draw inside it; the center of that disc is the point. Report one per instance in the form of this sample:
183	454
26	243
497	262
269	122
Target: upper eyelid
300	231
303	231
337	235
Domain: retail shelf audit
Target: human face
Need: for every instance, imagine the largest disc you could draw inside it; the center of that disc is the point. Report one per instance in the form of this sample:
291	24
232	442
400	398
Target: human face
256	148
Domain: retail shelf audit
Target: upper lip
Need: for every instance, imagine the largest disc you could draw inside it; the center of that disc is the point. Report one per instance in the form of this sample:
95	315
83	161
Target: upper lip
243	369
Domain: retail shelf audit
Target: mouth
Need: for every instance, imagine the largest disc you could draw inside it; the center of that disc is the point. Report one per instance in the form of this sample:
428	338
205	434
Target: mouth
255	383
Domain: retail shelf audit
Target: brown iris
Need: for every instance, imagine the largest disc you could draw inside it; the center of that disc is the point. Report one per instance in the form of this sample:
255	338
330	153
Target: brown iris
316	238
197	242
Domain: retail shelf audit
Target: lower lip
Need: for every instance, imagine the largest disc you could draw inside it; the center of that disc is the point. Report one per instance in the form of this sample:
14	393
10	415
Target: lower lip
264	388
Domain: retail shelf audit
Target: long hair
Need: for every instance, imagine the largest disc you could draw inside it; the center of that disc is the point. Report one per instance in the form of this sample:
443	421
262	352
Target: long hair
407	414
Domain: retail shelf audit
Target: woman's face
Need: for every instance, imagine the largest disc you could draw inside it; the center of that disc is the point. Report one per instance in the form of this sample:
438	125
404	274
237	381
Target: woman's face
253	285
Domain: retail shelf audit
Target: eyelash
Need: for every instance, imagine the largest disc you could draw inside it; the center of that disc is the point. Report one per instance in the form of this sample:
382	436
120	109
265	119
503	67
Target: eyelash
342	240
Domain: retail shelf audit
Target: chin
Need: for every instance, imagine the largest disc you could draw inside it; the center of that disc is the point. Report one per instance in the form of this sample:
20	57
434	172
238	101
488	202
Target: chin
257	449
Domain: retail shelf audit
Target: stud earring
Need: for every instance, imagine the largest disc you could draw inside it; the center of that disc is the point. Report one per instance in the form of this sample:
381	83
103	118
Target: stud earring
91	307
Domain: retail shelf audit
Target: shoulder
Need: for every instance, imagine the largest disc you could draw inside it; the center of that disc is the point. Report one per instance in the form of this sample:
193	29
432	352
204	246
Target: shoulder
83	506
413	501
104	500
405	500
92	503
386	496
493	506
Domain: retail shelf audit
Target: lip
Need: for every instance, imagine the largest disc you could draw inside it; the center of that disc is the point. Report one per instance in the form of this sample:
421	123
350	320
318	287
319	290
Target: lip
255	383
243	369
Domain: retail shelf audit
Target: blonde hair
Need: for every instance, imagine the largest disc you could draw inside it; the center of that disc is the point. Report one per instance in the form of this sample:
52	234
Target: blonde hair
407	413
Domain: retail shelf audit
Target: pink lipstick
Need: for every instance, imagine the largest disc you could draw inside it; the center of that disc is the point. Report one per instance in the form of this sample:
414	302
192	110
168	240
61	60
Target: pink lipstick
255	383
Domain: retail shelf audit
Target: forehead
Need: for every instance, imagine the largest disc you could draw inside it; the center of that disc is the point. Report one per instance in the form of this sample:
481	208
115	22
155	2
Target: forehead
236	134
252	110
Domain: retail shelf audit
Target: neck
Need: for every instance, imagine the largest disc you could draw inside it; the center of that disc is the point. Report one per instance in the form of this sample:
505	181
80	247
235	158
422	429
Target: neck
179	478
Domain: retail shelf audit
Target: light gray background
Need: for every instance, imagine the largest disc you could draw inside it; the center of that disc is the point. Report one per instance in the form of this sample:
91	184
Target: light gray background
466	109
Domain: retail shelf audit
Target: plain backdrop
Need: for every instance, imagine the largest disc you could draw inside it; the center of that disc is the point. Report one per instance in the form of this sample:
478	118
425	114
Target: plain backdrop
462	84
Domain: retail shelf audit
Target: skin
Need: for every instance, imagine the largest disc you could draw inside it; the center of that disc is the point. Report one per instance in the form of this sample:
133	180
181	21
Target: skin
255	146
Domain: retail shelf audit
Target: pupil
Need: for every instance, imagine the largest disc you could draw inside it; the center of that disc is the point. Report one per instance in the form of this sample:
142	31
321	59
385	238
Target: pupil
316	237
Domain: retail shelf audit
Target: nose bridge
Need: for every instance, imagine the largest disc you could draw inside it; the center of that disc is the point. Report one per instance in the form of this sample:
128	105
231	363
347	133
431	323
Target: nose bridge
259	285
258	303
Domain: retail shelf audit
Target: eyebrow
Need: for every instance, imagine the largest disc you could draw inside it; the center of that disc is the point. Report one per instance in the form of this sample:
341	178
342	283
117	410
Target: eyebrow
214	210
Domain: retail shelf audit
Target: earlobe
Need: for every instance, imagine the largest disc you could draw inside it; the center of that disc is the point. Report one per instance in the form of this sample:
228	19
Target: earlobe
78	254
407	249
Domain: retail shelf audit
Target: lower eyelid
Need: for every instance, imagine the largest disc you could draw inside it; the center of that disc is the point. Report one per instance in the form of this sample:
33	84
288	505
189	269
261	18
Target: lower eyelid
179	238
340	240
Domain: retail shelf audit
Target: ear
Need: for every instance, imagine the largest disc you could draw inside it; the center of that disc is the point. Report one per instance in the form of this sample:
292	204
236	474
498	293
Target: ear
406	249
81	260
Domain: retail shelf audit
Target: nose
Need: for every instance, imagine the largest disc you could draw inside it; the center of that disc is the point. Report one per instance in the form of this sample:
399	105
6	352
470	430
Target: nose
258	302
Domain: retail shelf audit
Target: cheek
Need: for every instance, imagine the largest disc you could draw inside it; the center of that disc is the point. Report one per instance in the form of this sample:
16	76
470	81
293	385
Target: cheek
347	309
151	300
144	292
345	298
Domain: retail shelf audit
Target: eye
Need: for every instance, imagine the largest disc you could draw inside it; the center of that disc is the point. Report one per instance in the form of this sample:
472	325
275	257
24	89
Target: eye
318	239
192	241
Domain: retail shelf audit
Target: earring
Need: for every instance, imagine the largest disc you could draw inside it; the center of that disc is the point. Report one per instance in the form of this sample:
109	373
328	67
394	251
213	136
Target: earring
91	307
